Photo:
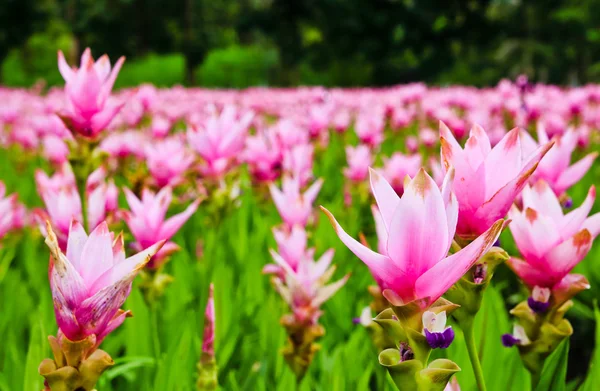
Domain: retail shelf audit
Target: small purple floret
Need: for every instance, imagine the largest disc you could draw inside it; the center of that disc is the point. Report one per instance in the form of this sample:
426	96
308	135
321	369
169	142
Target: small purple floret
355	320
440	340
508	340
480	273
538	307
406	352
568	204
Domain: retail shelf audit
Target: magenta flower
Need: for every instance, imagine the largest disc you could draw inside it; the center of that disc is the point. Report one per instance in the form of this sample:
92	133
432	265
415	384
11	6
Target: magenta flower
220	139
420	228
550	242
264	156
292	248
398	166
91	281
55	149
293	206
12	213
298	162
168	160
487	180
555	168
359	160
148	224
208	340
89	110
102	197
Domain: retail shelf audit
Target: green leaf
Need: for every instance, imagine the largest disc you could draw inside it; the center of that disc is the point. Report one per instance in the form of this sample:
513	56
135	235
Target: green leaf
555	369
592	381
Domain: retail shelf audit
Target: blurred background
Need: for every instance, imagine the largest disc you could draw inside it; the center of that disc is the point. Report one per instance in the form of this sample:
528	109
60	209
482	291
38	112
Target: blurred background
240	43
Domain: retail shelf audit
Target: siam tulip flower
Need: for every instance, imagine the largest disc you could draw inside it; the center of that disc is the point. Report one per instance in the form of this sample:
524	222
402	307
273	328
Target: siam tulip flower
298	162
341	120
168	160
554	168
207	367
290	134
487	180
220	139
12	213
397	167
102	197
91	280
148	224
421	226
551	242
160	127
359	160
55	149
124	144
292	249
294	207
61	198
264	156
147	96
369	127
428	137
89	110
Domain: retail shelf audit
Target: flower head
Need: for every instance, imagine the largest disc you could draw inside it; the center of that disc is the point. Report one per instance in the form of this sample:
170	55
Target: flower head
91	280
88	88
435	330
359	160
293	206
419	228
487	179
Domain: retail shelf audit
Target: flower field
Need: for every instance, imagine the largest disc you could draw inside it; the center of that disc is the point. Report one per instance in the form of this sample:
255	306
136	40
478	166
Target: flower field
172	239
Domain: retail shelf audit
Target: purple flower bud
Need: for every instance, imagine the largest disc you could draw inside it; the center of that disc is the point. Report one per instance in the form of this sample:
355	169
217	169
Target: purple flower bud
440	340
568	203
538	307
406	352
356	320
480	273
508	340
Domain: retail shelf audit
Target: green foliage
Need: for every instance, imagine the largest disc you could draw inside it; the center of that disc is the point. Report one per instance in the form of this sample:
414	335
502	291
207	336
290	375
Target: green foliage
555	369
238	67
161	70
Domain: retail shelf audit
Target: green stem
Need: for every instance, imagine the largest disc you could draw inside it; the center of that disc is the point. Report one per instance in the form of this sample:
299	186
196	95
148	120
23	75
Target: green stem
468	330
155	336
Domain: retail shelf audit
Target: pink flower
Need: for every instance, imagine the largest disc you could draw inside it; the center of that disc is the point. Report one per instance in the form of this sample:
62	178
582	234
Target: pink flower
91	281
168	160
264	156
359	160
304	289
102	197
294	207
419	229
397	167
554	168
148	224
487	180
208	340
55	149
12	213
88	88
369	127
123	144
61	198
298	162
292	249
550	242
220	139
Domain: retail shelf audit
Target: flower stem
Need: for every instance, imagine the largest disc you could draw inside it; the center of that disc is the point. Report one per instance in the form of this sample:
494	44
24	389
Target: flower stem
468	330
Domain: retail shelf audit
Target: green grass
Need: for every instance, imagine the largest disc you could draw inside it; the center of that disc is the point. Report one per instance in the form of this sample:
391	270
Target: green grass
158	349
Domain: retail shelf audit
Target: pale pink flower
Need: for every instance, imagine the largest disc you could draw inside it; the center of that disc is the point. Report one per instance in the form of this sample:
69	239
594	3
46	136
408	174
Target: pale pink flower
12	213
298	162
398	166
208	339
487	180
550	242
148	223
264	156
168	160
359	159
55	149
91	280
294	207
420	227
89	110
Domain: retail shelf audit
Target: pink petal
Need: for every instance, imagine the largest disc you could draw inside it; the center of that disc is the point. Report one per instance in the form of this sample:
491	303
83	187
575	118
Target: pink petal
97	255
419	227
64	68
477	147
382	234
381	266
542	198
503	163
573	221
310	195
172	225
115	322
75	242
563	258
108	84
573	174
530	275
102	119
437	280
451	204
125	270
535	234
385	196
592	224
134	203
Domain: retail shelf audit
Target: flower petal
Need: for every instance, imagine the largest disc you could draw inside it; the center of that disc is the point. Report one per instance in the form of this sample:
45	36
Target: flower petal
385	196
574	173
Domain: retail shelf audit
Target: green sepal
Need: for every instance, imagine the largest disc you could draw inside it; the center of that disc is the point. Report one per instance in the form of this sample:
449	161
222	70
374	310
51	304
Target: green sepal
550	336
390	325
437	375
403	373
467	293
